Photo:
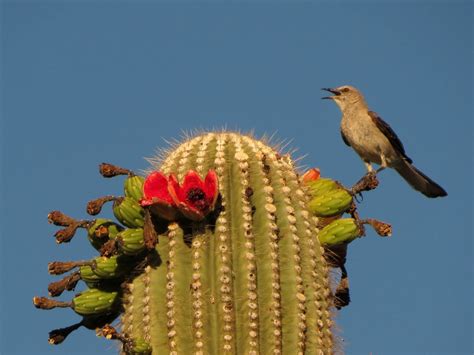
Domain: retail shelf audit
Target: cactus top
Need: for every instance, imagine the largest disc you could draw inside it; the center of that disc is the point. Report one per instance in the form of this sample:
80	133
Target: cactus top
251	277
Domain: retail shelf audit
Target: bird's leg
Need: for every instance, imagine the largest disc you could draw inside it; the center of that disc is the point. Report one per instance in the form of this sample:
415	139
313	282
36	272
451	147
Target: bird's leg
369	167
370	174
383	164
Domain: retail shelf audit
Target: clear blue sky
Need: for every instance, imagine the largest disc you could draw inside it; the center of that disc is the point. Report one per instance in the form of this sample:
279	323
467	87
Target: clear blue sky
86	82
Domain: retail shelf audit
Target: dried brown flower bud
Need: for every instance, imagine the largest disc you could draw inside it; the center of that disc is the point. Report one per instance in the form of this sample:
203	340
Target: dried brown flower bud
60	219
101	232
109	248
108	170
383	229
111	333
65	235
149	233
68	283
108	332
95	206
60	267
46	303
57	336
342	297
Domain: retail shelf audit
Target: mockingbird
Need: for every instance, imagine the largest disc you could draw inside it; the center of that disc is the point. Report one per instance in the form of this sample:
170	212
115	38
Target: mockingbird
375	142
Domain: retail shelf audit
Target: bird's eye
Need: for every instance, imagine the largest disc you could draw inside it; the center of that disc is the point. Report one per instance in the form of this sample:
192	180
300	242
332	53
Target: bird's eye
345	90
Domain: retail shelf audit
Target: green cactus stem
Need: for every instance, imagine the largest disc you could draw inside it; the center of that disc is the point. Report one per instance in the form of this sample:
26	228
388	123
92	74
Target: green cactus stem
252	281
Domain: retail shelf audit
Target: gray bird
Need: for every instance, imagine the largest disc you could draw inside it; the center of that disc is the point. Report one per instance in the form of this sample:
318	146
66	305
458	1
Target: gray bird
375	142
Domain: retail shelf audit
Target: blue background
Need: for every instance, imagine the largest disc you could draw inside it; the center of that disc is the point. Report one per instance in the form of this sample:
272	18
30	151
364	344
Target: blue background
86	82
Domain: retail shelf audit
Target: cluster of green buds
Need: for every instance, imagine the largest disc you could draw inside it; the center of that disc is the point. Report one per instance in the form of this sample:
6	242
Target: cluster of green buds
234	259
123	249
330	200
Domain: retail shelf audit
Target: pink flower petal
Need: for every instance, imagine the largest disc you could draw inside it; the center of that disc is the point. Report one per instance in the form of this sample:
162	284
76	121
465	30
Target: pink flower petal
174	190
155	187
192	180
211	187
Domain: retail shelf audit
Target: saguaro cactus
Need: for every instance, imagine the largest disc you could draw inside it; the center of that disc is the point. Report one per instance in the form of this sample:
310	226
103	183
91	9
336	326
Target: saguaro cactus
192	271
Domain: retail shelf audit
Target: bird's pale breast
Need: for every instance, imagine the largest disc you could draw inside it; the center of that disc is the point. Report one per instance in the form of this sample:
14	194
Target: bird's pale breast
366	139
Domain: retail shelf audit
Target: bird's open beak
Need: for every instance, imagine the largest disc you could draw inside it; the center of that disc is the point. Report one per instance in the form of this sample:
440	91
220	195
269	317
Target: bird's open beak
333	91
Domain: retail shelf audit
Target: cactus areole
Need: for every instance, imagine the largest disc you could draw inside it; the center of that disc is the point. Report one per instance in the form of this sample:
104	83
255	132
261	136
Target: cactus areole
214	251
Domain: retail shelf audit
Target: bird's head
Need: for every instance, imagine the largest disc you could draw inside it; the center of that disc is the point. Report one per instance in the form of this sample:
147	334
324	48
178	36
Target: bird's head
345	96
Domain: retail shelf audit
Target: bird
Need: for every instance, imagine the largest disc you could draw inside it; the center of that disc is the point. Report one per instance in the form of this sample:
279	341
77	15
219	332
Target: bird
375	141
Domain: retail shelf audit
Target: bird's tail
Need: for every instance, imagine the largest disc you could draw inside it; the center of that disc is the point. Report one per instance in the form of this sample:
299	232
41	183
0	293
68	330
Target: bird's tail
419	181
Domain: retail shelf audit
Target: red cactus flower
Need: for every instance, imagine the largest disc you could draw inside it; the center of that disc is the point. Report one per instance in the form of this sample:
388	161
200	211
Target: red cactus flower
195	198
311	175
157	197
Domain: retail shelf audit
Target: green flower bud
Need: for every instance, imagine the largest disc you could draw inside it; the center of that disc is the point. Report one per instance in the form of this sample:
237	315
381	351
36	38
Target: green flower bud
139	347
101	231
330	203
131	241
129	212
340	231
95	301
133	187
88	276
110	268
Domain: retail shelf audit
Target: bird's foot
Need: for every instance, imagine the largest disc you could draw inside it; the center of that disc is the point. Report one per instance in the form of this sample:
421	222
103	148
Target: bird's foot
366	183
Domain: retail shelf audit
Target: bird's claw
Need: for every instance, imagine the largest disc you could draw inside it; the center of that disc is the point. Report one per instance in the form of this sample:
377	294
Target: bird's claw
366	183
358	197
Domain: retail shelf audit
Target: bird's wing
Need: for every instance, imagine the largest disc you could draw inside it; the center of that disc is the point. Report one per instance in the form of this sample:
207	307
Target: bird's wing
345	139
389	134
